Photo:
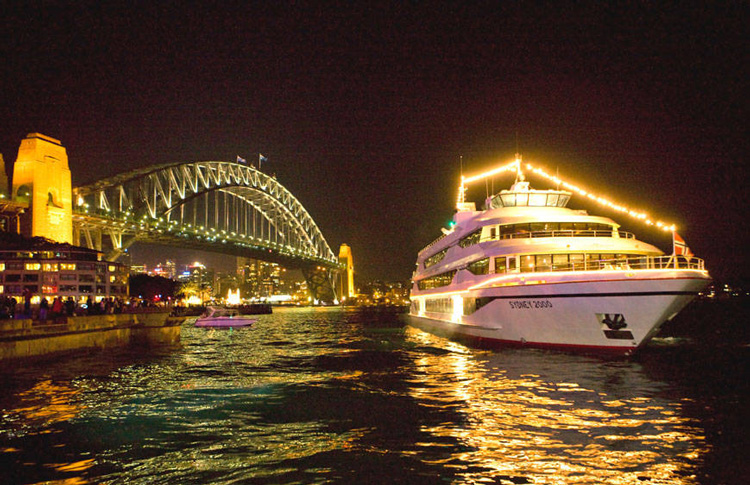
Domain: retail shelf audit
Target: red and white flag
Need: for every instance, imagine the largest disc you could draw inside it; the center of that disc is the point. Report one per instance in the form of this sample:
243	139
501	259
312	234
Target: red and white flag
679	247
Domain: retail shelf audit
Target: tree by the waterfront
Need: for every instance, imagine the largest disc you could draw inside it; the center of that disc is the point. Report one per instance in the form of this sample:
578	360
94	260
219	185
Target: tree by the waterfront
152	287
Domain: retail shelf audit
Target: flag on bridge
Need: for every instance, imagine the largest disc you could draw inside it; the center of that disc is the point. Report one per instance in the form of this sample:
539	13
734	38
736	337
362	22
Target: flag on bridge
241	160
262	158
679	247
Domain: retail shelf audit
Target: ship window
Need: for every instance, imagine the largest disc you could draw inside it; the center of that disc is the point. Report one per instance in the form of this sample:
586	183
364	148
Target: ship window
480	267
538	227
542	262
439	305
576	262
493	232
435	258
527	263
522	228
470	305
415	306
507	231
560	262
437	281
537	200
500	266
509	200
471	239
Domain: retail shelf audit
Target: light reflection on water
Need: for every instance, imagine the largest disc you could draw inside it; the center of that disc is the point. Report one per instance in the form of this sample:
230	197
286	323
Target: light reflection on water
564	422
343	396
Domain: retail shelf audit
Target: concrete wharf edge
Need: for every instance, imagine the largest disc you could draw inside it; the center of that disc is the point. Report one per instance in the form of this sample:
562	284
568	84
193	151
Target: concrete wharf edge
24	338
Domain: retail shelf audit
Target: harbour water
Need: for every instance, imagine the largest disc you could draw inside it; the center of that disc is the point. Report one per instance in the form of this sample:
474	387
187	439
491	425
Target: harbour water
335	395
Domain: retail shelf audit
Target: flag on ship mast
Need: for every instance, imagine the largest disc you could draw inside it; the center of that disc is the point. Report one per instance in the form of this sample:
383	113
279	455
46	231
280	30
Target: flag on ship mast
679	247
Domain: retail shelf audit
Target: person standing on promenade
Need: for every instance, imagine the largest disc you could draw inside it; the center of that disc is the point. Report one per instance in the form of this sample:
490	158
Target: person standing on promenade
57	308
43	308
27	302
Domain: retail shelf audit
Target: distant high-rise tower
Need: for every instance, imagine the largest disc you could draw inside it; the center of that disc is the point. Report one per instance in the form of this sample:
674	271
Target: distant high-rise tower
346	283
41	178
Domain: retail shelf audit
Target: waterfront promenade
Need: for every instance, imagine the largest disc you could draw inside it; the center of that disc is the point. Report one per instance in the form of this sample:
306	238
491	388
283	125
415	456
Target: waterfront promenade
28	339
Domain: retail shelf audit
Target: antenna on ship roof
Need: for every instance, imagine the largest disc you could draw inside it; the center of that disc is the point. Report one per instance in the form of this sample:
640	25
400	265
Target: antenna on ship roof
519	174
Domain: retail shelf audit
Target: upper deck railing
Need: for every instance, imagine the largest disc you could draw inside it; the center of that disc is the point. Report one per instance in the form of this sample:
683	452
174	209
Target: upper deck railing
565	233
623	264
639	263
555	233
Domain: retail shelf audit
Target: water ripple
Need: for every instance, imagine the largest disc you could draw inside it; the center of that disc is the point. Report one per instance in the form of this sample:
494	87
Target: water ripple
340	396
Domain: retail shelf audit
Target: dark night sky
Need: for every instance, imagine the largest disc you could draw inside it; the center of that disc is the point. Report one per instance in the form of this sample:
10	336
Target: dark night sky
364	111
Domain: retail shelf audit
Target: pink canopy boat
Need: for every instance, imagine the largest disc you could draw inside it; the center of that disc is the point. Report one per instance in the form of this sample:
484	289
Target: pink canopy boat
223	317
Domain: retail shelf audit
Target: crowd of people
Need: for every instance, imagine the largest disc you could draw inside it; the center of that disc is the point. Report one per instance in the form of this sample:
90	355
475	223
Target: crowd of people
59	308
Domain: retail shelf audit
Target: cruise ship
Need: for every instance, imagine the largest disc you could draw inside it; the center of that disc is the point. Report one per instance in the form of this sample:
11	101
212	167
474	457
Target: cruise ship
529	271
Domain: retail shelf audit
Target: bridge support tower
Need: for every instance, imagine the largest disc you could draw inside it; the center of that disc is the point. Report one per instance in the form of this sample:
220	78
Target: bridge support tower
41	178
346	277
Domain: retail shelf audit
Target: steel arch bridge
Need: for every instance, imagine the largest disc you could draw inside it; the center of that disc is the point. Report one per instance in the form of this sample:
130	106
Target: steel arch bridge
216	206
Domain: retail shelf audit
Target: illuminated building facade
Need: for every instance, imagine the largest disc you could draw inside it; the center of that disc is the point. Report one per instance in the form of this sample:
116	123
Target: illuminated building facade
262	279
200	278
168	270
50	270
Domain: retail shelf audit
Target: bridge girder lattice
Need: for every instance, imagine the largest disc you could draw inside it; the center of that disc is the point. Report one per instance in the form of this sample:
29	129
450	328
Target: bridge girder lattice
216	206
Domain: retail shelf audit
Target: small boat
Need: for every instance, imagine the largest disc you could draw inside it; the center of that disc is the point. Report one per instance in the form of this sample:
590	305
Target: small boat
223	317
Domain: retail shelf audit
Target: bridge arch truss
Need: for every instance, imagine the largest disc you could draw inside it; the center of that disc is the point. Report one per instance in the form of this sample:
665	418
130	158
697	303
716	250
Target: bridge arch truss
215	206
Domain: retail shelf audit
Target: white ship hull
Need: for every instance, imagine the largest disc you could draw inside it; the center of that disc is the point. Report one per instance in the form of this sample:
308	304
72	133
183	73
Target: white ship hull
616	312
527	270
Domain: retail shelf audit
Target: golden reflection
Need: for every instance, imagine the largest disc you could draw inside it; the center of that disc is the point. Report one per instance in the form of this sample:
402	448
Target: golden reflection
529	426
46	403
73	467
66	481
